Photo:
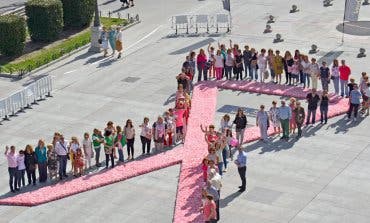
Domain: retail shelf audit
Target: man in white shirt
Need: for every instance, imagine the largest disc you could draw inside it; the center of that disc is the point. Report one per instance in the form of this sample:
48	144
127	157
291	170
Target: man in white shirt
61	148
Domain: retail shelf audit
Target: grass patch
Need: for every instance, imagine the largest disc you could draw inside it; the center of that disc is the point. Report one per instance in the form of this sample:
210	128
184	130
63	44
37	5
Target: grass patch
41	57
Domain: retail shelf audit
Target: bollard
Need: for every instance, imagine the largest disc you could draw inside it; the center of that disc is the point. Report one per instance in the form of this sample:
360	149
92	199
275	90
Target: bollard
271	19
278	38
294	9
267	29
362	53
313	49
366	2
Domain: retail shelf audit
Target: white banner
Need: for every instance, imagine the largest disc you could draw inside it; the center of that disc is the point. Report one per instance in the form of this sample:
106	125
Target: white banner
352	10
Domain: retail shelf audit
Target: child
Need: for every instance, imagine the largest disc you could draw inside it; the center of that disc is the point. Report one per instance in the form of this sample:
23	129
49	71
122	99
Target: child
205	169
351	84
295	72
87	147
79	163
170	129
21	168
52	162
179	117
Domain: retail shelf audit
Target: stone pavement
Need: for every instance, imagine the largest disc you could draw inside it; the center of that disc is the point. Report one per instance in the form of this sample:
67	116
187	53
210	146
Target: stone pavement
321	178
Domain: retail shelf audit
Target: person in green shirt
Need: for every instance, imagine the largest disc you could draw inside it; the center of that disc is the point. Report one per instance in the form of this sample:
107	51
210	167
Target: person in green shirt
98	139
108	148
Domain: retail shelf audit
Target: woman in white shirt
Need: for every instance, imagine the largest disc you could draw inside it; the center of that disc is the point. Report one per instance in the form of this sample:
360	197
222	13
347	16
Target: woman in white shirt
335	75
129	132
262	64
145	136
219	64
87	148
306	71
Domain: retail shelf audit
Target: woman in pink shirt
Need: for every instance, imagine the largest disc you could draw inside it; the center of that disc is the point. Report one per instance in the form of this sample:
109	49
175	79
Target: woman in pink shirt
201	64
209	210
12	168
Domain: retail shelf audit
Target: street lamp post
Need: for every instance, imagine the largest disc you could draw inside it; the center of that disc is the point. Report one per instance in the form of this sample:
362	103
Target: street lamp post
95	31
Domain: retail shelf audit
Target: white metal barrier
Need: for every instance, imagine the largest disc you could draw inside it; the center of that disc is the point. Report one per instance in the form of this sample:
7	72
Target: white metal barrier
26	97
189	22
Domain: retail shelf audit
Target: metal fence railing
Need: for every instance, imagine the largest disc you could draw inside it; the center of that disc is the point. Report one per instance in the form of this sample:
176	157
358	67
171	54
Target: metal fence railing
24	98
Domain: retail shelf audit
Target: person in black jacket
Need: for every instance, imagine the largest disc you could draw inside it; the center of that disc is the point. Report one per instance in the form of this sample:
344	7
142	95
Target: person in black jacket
30	160
312	100
240	122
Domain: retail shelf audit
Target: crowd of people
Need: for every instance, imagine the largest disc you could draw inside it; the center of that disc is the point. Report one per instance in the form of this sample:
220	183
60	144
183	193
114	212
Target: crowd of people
298	70
51	159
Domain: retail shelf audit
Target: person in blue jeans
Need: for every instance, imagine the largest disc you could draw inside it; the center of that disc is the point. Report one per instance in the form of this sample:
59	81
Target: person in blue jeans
355	100
325	76
12	168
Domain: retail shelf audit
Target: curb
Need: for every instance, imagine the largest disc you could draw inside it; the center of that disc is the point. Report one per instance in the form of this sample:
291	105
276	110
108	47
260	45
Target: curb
15	76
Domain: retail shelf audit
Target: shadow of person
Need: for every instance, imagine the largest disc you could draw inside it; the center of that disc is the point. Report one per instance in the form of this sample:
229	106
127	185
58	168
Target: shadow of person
228	199
343	125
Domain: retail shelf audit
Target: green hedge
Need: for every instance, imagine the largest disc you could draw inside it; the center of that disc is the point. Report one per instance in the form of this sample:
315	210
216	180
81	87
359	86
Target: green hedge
78	13
12	35
45	19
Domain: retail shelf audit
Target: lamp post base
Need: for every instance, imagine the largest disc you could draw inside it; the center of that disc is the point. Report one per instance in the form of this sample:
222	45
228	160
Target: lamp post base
95	35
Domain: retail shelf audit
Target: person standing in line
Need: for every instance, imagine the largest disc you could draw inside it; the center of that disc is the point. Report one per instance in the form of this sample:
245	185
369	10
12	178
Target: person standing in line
201	65
108	148
344	73
97	139
211	59
292	123
324	107
247	61
73	146
312	100
87	146
355	101
305	63
120	142
129	132
21	169
335	76
270	61
284	114
61	148
238	65
262	121
314	72
289	61
209	210
254	65
299	114
229	63
119	41
241	162
215	181
52	161
219	65
159	132
274	117
325	76
278	66
145	136
12	168
30	161
262	65
112	39
240	122
42	160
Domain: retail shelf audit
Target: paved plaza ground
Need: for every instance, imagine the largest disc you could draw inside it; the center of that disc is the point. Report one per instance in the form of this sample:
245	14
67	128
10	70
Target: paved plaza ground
323	177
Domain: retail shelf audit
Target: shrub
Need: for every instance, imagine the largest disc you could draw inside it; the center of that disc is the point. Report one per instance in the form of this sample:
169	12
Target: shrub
45	19
78	13
12	35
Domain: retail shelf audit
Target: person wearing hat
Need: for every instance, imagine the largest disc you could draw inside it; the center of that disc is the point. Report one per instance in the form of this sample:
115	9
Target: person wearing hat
284	114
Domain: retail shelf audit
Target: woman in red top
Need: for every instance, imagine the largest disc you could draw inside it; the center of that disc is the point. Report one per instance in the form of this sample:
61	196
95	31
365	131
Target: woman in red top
201	64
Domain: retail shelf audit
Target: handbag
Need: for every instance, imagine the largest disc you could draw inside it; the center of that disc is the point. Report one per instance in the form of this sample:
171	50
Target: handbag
68	157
